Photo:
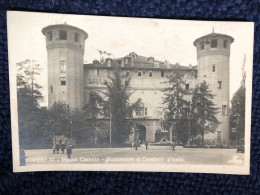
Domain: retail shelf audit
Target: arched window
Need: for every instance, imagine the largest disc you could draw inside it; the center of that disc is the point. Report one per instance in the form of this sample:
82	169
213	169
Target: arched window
201	45
77	37
225	43
63	35
49	36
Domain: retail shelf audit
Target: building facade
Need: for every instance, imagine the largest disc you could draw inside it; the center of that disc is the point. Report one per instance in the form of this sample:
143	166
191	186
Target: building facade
71	82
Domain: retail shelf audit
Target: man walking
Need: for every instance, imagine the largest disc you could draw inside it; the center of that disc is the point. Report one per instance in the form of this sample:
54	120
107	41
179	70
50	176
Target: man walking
69	151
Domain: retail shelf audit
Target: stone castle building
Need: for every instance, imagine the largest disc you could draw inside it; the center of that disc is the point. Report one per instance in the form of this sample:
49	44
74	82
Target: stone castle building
70	80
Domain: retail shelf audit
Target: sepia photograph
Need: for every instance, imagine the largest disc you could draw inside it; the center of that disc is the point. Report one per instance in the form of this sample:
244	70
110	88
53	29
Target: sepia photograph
99	93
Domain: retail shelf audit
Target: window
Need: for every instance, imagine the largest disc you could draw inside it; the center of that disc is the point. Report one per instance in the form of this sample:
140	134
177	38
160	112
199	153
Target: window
63	35
49	36
62	66
126	83
225	43
139	74
214	43
219	136
126	60
162	73
201	45
213	68
97	72
127	74
219	84
77	37
205	75
187	86
51	89
224	109
150	74
145	111
63	80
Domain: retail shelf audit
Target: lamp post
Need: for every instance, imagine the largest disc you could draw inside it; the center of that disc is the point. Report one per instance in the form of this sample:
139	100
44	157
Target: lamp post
110	130
189	123
70	131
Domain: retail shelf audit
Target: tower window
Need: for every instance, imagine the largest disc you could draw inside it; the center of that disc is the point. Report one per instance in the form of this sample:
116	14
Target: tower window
51	89
62	66
127	74
150	74
224	109
213	68
139	74
63	80
49	36
219	84
214	43
225	43
187	86
162	73
63	35
77	37
201	45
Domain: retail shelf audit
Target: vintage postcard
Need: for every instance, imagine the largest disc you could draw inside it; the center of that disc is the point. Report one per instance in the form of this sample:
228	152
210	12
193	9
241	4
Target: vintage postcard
97	93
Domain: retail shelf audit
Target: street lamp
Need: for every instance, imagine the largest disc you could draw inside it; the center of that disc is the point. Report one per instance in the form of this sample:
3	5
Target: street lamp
70	131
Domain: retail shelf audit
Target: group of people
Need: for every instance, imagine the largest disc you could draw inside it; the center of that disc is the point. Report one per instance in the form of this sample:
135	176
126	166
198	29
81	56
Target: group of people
57	147
134	145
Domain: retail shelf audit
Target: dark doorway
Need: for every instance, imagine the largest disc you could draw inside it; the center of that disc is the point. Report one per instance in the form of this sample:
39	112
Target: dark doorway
142	133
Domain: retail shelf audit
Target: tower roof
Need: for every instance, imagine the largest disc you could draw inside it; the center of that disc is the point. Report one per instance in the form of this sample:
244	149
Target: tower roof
213	35
63	26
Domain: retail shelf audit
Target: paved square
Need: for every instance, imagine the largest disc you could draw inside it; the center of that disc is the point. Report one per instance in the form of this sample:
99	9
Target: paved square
194	156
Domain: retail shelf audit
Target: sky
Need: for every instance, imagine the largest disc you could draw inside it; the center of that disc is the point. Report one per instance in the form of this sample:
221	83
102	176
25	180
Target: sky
164	39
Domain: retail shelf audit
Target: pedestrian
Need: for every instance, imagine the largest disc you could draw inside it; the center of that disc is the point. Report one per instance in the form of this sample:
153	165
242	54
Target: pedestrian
57	148
173	146
62	148
136	146
133	144
54	147
146	145
69	151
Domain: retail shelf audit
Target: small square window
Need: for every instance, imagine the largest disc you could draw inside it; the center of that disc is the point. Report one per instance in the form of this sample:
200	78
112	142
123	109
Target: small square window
150	74
187	86
51	89
219	84
63	80
139	74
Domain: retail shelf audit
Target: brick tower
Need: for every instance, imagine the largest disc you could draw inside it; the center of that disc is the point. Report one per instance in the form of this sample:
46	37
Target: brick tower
65	47
213	52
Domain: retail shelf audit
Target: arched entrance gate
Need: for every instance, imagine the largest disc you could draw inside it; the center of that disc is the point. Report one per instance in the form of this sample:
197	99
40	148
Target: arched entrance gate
140	133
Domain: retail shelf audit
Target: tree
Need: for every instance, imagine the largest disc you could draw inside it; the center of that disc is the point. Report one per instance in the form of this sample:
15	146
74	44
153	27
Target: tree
203	110
28	98
117	106
237	113
177	107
